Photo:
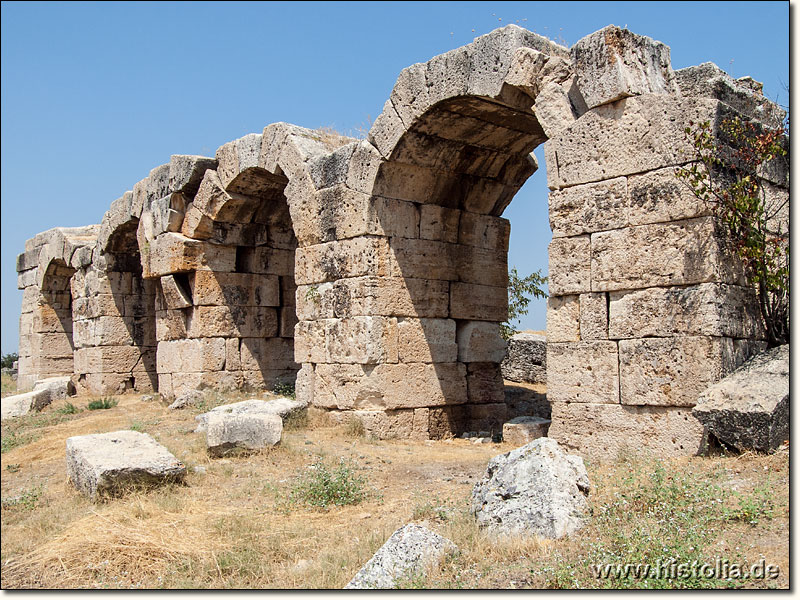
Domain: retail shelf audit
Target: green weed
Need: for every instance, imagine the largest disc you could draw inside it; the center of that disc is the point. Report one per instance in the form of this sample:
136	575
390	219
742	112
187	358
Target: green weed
103	403
322	485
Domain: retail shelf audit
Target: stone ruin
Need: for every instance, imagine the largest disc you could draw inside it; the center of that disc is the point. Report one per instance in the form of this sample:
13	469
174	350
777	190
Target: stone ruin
374	272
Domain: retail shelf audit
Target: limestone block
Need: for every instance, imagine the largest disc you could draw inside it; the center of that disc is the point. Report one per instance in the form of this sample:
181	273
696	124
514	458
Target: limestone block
630	136
170	325
589	208
480	341
478	302
287	320
267	353
181	383
708	80
341	213
229	321
138	305
304	385
349	258
486	417
485	383
673	371
606	431
195	224
680	253
105	464
427	340
583	372
438	223
484	231
379	296
423	259
570	263
281	407
186	172
659	196
17	405
362	340
386	130
705	309
175	296
270	261
27	278
614	63
481	265
749	409
594	316
410	552
176	253
331	169
363	166
226	432
523	430
309	342
234	289
166	215
109	359
112	331
28	260
46	319
526	359
554	106
288	290
214	201
191	356
238	163
389	386
390	424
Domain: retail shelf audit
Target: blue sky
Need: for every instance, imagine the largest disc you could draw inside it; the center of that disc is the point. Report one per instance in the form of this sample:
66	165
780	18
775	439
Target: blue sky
94	95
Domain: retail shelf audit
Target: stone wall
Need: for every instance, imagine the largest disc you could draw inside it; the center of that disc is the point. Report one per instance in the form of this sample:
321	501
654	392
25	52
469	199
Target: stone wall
374	271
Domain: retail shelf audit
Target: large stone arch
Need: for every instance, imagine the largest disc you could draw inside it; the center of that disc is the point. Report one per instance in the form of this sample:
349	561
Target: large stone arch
46	275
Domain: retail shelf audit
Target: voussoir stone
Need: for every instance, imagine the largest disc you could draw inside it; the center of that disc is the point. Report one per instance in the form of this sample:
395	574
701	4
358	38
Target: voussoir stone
105	464
749	409
407	553
537	489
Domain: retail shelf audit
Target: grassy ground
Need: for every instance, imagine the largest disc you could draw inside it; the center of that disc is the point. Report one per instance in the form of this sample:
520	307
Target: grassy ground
9	385
251	521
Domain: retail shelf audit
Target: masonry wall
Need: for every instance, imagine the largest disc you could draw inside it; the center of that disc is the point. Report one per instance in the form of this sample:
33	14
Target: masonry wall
373	273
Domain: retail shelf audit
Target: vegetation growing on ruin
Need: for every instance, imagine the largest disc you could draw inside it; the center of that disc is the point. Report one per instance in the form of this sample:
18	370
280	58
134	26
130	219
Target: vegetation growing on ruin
728	175
520	292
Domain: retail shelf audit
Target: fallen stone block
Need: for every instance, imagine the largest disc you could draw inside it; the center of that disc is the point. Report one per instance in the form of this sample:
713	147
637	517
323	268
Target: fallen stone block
106	464
187	399
409	552
523	430
749	409
43	393
282	407
226	432
526	358
537	489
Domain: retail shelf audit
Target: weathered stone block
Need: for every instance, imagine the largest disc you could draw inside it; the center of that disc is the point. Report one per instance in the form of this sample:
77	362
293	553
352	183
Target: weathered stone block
649	128
484	231
485	383
349	258
287	320
614	63
570	261
175	296
749	409
105	464
424	259
186	172
606	431
232	321
267	353
234	289
583	372
705	309
478	302
526	359
362	340
680	253
191	356
673	371
589	208
563	318
265	260
438	223
659	197
175	253
594	316
110	359
226	432
523	430
480	341
427	340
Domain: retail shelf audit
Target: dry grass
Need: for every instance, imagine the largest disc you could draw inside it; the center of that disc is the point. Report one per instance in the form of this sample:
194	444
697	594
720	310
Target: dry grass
233	525
9	385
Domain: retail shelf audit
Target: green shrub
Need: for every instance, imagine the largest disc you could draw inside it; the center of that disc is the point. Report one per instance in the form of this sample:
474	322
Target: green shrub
68	409
284	389
103	403
322	485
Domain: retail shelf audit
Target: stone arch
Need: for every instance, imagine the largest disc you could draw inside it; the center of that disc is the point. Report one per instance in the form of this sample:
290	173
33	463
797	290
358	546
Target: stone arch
418	226
227	299
115	310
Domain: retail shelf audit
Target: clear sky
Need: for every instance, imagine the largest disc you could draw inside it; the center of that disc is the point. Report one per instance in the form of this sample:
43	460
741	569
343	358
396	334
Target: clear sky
94	95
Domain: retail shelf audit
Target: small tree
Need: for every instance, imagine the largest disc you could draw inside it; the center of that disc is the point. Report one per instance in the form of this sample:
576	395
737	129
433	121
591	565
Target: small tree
519	290
727	176
8	360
